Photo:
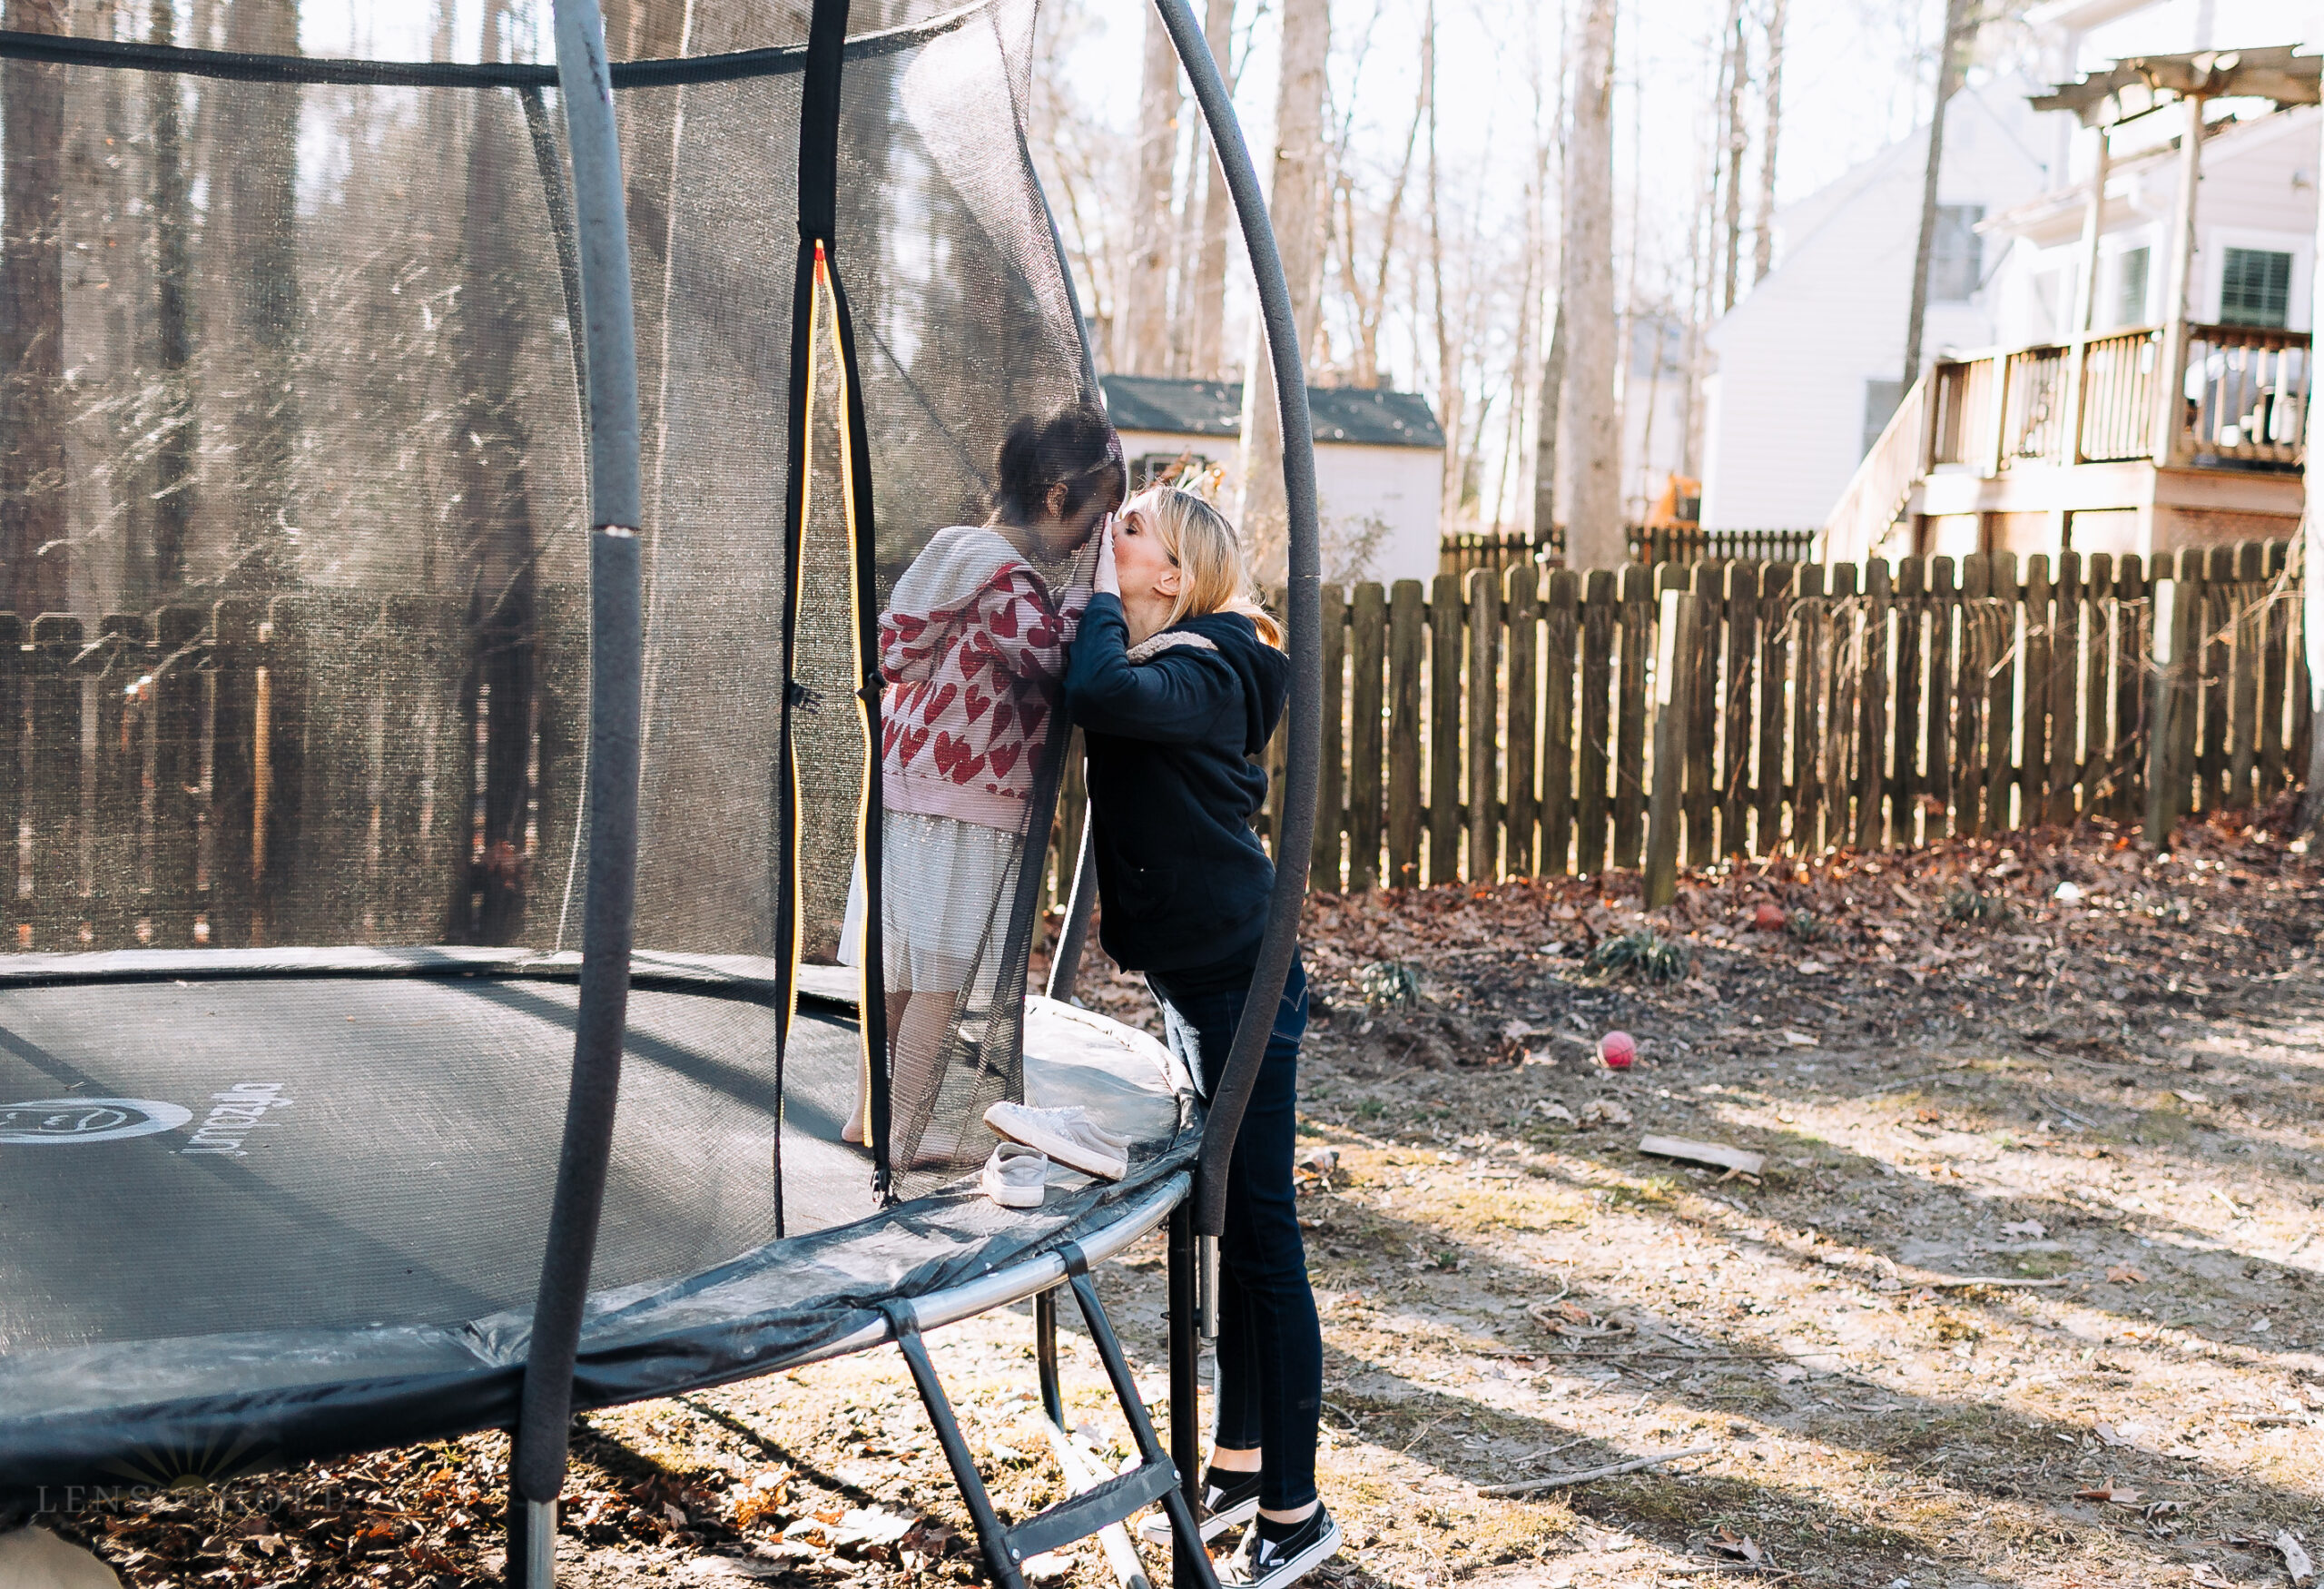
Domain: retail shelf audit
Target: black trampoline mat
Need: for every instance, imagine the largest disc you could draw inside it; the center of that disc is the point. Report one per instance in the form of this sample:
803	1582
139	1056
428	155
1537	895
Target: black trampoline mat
328	1153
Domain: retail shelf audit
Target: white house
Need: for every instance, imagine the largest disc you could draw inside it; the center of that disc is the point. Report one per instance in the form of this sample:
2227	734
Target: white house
1379	462
1810	365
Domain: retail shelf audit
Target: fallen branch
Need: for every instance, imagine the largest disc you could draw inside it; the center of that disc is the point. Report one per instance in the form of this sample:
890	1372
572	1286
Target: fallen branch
1733	1160
1958	1283
1559	1481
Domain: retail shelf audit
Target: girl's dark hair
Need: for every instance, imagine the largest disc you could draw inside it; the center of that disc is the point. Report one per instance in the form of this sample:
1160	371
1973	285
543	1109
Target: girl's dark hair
1075	447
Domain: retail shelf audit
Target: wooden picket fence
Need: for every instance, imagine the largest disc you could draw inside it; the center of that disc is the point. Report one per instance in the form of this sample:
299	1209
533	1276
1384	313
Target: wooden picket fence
171	779
1498	727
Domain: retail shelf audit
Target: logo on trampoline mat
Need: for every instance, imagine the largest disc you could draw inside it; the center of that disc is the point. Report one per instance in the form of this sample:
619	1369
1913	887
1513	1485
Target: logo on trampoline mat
88	1120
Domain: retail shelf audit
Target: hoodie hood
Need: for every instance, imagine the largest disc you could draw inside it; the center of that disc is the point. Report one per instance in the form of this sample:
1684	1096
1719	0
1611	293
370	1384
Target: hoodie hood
1264	672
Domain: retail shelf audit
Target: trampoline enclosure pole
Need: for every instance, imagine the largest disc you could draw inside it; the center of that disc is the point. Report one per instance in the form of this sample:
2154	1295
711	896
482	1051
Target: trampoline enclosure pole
617	643
1303	602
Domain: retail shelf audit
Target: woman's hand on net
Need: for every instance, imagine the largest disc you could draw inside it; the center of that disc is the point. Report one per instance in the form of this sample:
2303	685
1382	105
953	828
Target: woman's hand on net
1106	581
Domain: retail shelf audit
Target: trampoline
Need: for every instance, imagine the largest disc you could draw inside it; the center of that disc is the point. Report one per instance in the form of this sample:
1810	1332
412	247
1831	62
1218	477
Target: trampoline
429	1001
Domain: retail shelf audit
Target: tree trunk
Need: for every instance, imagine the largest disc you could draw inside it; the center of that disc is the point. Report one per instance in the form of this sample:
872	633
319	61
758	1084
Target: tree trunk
1206	353
1738	67
1144	324
1958	25
173	485
1763	225
34	556
1545	430
257	154
1594	538
1449	398
2311	574
1295	201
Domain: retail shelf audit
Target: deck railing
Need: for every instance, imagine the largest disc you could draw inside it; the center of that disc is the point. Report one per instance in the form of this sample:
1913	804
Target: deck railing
2247	395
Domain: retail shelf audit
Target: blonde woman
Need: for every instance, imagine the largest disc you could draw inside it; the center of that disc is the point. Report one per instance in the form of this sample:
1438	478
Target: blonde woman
1178	678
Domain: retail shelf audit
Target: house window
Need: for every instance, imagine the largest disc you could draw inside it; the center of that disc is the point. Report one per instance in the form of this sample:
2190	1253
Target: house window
1880	400
2256	289
2129	286
1956	253
1166	467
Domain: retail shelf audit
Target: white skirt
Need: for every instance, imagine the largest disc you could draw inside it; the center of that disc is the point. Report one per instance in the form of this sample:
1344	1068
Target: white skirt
948	885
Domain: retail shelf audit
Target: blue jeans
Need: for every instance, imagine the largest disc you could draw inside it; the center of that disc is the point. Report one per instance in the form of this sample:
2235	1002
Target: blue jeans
1270	1341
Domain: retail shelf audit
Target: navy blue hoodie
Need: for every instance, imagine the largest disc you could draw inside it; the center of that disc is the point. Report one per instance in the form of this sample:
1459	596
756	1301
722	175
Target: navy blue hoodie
1182	880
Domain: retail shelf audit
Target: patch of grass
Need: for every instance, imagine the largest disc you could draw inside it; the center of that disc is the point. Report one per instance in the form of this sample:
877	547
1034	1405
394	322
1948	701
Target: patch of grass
1370	1108
1644	955
1807	927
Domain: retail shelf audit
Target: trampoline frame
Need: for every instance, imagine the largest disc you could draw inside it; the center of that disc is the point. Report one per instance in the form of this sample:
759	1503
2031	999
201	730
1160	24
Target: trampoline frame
1193	1205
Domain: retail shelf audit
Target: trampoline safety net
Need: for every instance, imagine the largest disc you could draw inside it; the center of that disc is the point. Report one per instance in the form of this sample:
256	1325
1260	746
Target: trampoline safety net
294	632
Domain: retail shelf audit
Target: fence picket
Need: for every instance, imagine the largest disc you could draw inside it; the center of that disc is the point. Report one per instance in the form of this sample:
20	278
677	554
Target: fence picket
1406	617
1444	729
1483	700
2274	625
1807	625
2001	694
1331	819
1591	808
1872	735
12	659
1775	587
53	791
1630	722
1732	717
1520	613
1368	647
1560	630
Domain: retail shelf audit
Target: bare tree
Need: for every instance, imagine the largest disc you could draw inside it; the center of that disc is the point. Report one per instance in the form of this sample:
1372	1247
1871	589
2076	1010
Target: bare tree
1144	324
1594	538
1296	200
1207	306
173	472
1450	395
1763	223
2311	803
33	552
1735	141
1547	405
1960	26
258	144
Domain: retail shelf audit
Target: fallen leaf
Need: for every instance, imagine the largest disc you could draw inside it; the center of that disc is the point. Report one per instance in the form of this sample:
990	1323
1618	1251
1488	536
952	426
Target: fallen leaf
2033	1227
2191	1097
1800	1040
1605	1112
1736	1547
2296	1562
2122	1274
2115	1495
1551	1109
1048	1567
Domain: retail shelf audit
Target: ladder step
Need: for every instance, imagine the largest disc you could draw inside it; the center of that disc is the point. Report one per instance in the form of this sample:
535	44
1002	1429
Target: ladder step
1091	1510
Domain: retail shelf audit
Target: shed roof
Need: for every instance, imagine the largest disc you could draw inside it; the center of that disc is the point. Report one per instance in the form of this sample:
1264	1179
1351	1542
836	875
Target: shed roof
1362	416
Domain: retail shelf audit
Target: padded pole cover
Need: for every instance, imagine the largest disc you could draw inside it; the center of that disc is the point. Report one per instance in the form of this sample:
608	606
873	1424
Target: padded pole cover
617	645
1305	604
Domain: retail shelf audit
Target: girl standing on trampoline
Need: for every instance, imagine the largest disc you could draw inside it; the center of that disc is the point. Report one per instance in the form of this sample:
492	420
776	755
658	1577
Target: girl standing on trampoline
972	646
1178	678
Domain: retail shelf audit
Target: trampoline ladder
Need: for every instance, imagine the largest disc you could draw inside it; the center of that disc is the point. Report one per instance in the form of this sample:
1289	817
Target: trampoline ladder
1102	1504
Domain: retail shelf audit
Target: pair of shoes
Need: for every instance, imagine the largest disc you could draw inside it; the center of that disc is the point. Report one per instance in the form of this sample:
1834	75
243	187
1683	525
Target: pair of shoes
1016	1176
1068	1135
1269	1560
1228	1498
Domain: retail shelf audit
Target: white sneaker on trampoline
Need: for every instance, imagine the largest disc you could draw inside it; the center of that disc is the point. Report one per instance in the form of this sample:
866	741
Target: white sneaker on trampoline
1068	1135
1016	1176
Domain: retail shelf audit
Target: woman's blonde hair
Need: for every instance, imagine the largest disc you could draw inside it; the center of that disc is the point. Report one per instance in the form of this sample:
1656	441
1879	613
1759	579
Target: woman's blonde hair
1213	575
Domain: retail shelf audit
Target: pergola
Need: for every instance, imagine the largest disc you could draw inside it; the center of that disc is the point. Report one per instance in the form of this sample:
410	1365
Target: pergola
2138	86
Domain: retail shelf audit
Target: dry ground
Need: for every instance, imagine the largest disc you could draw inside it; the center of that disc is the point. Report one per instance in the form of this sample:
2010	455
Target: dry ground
2028	1294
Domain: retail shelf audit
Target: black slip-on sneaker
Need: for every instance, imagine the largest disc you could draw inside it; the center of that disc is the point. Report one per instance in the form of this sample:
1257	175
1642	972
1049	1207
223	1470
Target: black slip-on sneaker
1267	1561
1222	1507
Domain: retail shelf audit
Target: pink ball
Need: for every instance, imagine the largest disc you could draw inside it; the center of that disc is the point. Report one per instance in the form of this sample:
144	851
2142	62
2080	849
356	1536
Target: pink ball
1617	1050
